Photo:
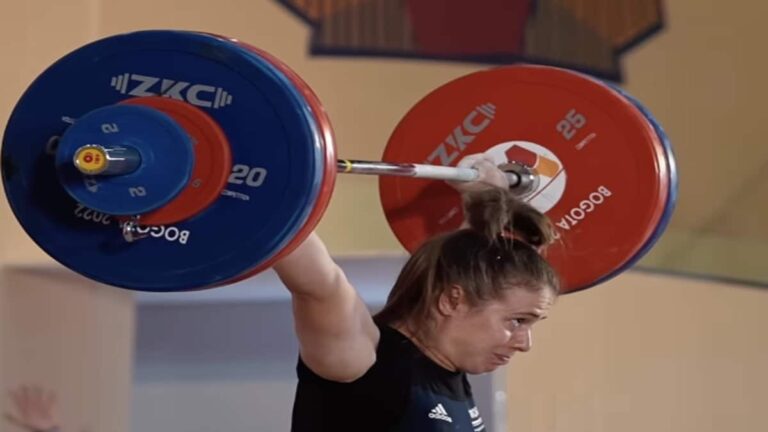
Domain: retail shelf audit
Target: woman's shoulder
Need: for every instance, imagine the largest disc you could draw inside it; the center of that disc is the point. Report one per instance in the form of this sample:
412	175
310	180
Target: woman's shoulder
395	354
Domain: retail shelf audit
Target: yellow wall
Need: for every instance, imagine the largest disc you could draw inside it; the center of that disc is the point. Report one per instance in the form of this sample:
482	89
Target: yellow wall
703	78
646	352
640	353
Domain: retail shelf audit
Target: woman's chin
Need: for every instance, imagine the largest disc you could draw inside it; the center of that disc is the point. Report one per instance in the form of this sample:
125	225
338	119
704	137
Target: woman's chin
479	369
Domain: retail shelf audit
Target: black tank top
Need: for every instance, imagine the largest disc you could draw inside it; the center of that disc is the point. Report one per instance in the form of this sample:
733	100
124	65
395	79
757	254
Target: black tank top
403	391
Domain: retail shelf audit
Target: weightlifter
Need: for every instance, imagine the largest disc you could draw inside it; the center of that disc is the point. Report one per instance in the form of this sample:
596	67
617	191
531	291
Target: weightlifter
464	303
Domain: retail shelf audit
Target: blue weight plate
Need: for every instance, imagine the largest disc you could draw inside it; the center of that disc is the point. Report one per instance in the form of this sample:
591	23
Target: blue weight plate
276	175
164	147
669	208
328	150
321	161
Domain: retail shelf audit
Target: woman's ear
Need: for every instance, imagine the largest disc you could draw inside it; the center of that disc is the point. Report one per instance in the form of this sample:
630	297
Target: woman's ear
450	300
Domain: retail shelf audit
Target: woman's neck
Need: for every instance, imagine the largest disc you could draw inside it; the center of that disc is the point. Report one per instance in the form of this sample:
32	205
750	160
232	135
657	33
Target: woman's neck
426	348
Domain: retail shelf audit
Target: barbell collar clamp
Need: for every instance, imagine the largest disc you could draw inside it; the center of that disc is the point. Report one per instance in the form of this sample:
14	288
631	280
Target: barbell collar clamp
95	159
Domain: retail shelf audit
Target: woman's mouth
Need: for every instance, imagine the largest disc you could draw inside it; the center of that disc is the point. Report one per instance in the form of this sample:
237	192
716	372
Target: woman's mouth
501	359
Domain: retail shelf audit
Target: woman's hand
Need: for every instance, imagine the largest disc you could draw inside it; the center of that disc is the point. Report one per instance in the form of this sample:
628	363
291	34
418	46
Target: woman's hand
490	174
34	409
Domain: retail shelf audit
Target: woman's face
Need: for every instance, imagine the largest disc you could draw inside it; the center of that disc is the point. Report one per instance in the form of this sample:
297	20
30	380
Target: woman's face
479	339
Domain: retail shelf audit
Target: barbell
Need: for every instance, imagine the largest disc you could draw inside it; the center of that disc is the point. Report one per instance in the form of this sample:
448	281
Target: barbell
174	160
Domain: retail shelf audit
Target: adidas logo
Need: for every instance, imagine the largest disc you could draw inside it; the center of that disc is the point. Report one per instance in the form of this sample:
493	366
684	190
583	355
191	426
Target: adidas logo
439	413
477	421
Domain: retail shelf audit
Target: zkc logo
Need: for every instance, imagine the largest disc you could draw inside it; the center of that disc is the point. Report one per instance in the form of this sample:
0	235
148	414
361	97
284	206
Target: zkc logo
201	95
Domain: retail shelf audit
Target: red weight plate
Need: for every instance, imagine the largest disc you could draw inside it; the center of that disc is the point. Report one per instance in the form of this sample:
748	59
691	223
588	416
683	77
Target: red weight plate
329	176
213	161
603	178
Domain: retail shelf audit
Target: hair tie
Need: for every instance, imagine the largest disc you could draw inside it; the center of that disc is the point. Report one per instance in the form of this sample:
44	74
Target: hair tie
512	235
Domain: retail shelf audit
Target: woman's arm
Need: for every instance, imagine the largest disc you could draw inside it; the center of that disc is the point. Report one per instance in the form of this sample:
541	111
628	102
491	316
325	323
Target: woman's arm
337	336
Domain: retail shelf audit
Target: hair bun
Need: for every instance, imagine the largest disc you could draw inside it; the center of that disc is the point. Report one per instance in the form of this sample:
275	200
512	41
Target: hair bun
497	213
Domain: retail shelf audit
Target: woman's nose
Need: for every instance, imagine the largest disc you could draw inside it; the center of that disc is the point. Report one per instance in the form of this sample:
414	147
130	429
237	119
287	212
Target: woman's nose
522	339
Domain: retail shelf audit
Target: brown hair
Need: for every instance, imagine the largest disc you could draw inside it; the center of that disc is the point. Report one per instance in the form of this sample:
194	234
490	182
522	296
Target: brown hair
499	250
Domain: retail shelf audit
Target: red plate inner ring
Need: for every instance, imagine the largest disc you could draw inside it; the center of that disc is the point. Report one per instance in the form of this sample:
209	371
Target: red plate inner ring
213	161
